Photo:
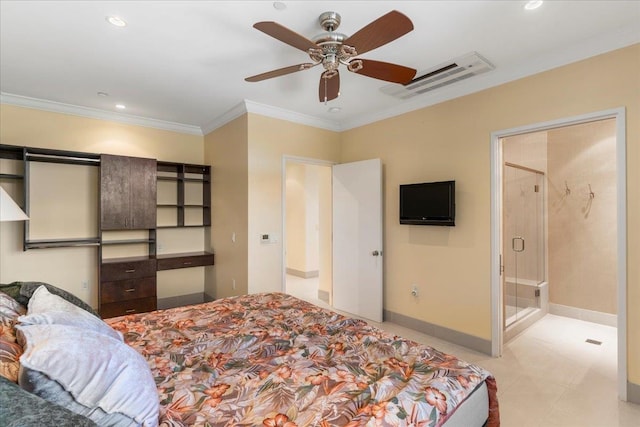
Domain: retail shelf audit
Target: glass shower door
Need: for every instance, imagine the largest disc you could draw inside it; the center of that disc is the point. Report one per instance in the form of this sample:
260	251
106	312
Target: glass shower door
523	241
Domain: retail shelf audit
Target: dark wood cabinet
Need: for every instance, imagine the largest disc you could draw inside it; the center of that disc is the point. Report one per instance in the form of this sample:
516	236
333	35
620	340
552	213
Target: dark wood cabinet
184	260
127	193
127	286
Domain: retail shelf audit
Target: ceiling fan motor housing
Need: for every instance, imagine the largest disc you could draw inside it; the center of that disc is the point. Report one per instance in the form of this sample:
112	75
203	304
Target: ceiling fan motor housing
330	21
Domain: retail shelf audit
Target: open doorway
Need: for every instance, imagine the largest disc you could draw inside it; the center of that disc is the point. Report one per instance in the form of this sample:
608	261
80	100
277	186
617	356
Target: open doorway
307	228
570	168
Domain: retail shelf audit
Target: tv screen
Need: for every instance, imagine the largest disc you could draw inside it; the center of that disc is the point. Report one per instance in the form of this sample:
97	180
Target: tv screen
428	203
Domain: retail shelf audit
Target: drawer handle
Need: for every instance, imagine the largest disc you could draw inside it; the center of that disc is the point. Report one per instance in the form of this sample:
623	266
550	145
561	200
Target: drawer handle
133	270
130	290
132	310
187	263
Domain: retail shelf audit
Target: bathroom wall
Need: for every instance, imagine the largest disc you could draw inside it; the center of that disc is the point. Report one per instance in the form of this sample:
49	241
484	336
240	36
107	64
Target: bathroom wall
582	226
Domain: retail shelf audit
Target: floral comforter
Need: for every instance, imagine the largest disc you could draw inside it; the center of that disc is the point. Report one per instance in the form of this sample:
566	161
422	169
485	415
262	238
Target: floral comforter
273	360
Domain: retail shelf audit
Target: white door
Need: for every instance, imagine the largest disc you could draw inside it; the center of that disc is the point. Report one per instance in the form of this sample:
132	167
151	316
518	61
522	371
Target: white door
357	238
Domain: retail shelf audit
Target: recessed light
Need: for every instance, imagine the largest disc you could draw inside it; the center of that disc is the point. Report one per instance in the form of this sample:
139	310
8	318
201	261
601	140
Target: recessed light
533	4
278	5
121	106
117	21
334	109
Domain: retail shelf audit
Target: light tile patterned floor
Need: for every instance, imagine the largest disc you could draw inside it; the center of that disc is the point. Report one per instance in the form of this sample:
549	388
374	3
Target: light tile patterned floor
548	376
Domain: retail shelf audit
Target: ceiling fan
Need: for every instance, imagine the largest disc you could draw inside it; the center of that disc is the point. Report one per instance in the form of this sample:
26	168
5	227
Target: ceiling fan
332	49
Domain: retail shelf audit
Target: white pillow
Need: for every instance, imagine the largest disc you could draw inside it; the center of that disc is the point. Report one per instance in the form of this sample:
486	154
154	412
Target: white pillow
46	308
97	370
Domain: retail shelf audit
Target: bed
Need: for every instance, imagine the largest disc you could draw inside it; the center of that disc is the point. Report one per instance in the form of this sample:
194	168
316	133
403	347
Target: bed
274	360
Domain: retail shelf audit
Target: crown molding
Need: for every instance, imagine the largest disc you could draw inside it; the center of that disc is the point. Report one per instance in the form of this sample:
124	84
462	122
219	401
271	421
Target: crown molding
94	113
248	106
291	116
585	49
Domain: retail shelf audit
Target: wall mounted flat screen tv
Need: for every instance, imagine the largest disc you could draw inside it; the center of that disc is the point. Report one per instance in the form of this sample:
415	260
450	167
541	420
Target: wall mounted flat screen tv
428	203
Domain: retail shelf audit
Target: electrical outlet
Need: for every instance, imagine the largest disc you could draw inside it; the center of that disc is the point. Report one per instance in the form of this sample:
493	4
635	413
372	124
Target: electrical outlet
85	284
414	291
233	285
160	246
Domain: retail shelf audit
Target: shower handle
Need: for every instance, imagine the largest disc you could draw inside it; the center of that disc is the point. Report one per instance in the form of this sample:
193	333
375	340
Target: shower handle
513	244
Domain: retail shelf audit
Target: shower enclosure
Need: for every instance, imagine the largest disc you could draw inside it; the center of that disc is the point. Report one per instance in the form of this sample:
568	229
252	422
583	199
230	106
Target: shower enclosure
524	284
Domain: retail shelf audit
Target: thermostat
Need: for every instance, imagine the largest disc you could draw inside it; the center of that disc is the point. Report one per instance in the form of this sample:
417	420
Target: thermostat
268	238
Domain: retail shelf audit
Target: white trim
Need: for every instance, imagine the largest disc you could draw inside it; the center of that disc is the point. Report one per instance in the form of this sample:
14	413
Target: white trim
592	316
232	114
94	113
247	106
583	50
291	116
621	174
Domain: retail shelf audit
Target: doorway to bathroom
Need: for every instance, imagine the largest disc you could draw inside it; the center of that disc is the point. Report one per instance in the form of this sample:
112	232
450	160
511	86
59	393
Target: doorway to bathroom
558	226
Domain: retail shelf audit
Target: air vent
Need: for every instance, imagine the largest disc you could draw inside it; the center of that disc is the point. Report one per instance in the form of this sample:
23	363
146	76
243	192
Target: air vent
461	68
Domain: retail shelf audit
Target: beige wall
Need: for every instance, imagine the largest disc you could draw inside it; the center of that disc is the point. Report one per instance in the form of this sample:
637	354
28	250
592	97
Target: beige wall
226	152
269	141
76	216
296	258
582	230
451	140
303	218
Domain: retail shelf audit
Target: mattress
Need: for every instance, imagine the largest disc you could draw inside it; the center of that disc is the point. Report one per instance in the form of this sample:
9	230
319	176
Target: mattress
473	412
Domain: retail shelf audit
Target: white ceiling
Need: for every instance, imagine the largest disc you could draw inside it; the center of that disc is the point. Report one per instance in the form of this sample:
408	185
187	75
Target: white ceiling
183	63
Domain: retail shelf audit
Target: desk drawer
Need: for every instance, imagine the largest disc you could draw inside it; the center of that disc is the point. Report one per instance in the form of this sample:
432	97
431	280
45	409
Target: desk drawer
128	307
185	261
113	271
127	289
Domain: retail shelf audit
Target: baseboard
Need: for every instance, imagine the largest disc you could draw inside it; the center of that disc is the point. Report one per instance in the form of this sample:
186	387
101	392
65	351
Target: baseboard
180	300
601	318
208	298
633	393
453	336
303	274
323	296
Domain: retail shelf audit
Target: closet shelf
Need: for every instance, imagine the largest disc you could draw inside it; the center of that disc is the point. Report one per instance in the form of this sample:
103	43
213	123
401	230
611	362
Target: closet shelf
60	243
10	176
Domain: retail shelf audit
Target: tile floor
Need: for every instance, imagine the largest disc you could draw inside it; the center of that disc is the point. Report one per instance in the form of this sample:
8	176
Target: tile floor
547	376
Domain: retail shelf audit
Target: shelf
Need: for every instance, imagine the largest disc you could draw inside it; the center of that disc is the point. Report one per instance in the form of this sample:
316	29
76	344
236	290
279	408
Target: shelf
127	241
127	259
10	176
183	179
183	226
60	243
167	205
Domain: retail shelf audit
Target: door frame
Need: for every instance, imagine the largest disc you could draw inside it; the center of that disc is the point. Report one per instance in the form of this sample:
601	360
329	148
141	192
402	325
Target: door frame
296	159
621	204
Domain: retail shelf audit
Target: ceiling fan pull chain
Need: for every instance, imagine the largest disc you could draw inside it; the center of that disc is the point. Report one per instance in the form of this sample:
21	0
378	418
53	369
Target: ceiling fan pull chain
325	90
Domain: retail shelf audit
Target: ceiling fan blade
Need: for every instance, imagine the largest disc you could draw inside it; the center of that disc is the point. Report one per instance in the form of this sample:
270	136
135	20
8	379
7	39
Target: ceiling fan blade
280	72
380	32
329	87
385	71
285	35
